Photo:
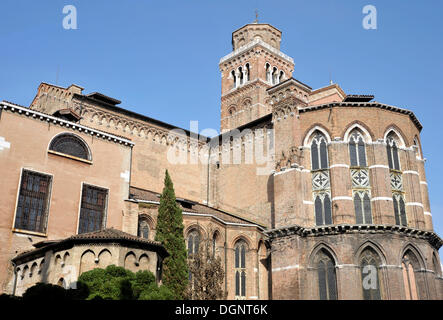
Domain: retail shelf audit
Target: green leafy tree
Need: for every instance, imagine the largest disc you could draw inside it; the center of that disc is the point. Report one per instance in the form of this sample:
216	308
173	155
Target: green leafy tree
170	233
112	283
117	283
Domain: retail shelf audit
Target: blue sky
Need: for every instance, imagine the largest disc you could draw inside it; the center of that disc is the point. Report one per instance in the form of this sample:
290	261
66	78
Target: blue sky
161	57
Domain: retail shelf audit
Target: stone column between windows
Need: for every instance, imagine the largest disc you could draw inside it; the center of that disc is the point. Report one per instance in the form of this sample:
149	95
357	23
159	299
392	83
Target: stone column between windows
340	180
381	192
348	278
411	185
424	194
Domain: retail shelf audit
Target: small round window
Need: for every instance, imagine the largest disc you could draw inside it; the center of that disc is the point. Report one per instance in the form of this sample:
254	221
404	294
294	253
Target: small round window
71	145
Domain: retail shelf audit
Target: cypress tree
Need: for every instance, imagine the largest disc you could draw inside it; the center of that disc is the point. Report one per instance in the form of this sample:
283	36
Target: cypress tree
170	233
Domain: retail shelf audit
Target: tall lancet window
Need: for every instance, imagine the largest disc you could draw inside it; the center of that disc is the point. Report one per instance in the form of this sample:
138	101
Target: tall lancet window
326	276
321	186
240	250
361	188
398	194
411	270
357	150
370	274
392	151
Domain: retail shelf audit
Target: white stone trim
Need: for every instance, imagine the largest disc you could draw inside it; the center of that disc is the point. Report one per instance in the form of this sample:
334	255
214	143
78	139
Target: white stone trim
125	175
308	202
342	198
340	266
381	198
379	166
424	182
339	165
418	204
309	134
68	124
410	172
427	213
402	141
366	135
252	44
296	266
283	171
4	144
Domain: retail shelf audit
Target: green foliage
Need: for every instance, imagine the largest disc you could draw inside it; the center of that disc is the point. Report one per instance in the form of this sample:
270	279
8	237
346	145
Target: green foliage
170	233
157	293
45	291
112	283
117	283
144	281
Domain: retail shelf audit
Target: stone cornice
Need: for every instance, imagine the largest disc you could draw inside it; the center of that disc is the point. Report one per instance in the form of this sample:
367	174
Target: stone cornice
67	124
430	236
252	44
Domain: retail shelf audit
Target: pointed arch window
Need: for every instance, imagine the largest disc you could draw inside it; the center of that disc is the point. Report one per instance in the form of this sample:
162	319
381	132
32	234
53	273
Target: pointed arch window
240	249
193	242
326	276
319	152
399	209
370	276
409	265
357	150
143	228
362	205
323	211
392	152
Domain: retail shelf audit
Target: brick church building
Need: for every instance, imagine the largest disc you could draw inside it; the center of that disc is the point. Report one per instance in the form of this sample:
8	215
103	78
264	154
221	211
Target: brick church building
305	194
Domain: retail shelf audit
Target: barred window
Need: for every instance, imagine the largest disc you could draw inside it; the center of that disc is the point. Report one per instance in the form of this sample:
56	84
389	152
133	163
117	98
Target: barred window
357	151
71	145
399	209
33	202
323	210
327	280
143	228
93	209
362	205
369	264
240	269
193	242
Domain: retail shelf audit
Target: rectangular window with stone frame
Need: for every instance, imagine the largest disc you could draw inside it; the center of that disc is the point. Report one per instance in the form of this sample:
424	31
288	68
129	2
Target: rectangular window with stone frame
33	202
93	209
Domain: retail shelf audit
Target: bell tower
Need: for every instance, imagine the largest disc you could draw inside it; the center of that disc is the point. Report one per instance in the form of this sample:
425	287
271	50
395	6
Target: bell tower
254	65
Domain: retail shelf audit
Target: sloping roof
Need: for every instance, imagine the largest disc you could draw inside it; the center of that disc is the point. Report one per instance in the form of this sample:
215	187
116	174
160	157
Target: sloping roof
105	235
138	194
358	98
